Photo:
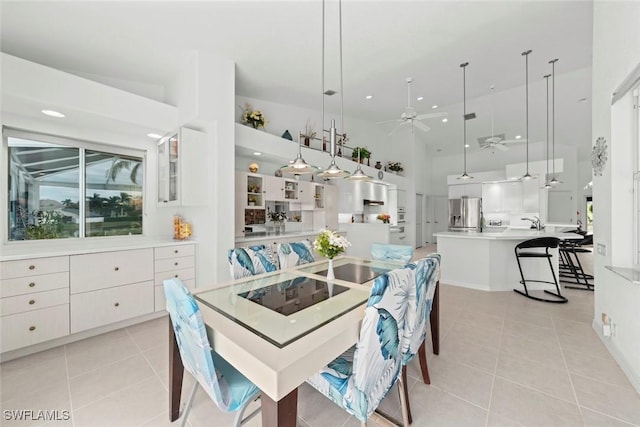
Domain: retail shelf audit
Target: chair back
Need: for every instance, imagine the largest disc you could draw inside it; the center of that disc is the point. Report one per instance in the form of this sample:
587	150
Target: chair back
421	294
539	242
193	343
295	253
251	260
388	252
377	359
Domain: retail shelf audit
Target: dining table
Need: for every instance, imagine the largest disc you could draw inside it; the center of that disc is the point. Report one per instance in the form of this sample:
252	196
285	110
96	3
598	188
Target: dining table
279	328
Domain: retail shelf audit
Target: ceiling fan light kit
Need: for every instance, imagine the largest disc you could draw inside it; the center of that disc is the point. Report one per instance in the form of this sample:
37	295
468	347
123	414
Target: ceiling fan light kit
465	175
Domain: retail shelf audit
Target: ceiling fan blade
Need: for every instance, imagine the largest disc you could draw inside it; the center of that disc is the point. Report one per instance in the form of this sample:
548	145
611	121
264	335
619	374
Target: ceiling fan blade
389	121
432	115
396	128
513	141
421	126
501	147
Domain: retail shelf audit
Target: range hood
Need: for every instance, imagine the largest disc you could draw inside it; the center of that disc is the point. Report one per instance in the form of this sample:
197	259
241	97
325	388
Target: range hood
373	202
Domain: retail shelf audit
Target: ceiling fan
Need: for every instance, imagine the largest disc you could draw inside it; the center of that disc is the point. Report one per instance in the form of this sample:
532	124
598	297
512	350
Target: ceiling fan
410	116
496	141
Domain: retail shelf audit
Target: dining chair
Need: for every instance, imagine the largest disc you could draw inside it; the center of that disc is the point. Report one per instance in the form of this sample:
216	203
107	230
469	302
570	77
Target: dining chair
227	387
295	253
421	294
360	378
251	260
388	252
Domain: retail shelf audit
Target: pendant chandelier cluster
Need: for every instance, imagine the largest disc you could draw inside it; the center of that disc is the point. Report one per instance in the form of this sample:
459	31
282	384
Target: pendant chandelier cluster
464	65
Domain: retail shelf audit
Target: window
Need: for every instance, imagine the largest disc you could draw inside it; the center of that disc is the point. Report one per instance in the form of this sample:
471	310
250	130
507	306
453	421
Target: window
61	188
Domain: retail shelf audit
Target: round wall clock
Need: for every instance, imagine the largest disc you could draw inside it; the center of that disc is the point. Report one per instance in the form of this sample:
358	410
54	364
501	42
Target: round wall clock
380	174
599	156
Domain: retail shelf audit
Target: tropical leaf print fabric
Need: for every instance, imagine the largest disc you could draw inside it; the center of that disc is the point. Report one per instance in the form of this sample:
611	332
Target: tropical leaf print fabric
361	377
228	388
386	252
295	253
251	260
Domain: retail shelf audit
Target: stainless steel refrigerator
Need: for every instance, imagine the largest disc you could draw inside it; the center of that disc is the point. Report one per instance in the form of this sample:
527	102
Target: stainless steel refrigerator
465	214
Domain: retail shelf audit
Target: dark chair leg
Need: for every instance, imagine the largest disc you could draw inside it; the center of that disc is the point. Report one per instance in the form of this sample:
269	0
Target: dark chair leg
406	392
422	356
176	371
434	320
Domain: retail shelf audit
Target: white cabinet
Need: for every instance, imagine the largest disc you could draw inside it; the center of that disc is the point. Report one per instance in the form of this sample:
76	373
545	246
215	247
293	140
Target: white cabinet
318	196
402	198
173	262
273	188
34	302
182	169
457	191
291	190
306	196
250	190
502	197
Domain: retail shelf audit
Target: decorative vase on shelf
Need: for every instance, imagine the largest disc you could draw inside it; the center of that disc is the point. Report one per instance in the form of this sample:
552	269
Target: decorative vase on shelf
378	165
307	141
330	275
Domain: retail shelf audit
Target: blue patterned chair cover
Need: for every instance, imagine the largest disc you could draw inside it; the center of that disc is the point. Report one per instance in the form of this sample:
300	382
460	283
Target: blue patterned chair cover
295	253
360	378
251	260
387	252
227	387
421	295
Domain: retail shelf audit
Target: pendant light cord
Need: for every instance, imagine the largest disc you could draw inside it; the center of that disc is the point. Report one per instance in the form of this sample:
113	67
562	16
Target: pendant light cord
341	83
553	114
464	114
526	82
322	73
546	78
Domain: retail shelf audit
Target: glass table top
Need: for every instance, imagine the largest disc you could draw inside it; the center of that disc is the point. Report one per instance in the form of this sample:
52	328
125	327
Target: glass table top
284	306
353	270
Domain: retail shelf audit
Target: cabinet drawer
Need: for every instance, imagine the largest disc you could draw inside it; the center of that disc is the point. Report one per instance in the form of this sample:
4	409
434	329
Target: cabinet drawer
182	274
92	309
175	251
34	301
33	266
29	284
25	329
161	303
102	270
174	263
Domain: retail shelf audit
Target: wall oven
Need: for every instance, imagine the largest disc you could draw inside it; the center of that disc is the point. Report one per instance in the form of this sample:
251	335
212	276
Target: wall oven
401	216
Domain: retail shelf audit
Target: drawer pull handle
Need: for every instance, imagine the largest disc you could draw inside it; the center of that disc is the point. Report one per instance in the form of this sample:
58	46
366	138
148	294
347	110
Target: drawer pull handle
175	263
175	275
31	302
32	284
175	252
117	269
32	328
32	267
117	304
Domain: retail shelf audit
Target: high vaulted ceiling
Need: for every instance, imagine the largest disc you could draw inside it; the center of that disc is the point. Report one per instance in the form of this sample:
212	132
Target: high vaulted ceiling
139	46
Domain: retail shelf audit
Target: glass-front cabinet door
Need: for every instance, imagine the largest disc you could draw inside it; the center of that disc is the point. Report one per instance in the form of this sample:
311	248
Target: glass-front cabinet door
168	169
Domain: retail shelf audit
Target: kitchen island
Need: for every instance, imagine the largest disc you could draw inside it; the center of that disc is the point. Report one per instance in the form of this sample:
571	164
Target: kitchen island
486	260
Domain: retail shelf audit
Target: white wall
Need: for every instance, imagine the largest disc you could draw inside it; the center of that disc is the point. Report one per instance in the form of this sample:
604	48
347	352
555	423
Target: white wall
616	51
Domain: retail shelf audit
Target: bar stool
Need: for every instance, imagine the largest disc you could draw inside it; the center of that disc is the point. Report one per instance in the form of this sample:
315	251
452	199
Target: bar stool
540	242
571	270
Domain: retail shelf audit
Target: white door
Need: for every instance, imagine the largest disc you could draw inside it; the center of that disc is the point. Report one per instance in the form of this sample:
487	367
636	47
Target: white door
419	221
441	212
561	207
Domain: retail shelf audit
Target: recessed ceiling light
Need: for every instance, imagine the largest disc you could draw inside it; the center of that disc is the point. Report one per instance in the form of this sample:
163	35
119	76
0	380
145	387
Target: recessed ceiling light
445	120
154	135
466	145
257	153
369	96
53	113
434	106
420	98
518	136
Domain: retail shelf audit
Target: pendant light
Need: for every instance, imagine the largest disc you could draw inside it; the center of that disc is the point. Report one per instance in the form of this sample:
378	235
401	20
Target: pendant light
333	171
464	175
554	181
526	53
298	166
547	184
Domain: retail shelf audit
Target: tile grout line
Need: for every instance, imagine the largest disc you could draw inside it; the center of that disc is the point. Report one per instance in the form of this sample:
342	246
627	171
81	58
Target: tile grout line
66	366
566	366
495	369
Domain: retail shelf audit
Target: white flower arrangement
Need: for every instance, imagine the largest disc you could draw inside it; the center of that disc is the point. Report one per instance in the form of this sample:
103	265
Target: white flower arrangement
253	118
330	244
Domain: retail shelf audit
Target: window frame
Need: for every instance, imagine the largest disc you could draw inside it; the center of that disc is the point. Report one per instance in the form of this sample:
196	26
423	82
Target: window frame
82	146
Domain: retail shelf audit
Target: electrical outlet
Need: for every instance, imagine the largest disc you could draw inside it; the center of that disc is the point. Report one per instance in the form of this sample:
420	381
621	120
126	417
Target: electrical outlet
602	249
605	319
614	329
606	331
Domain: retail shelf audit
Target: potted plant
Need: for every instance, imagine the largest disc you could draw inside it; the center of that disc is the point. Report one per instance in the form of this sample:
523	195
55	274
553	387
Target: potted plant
309	132
253	118
364	154
395	167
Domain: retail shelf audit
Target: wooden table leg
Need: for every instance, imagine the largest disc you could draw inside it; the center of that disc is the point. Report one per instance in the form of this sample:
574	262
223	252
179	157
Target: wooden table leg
282	413
434	320
176	371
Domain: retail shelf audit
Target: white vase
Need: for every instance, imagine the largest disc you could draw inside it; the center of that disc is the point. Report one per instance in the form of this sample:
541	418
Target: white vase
330	275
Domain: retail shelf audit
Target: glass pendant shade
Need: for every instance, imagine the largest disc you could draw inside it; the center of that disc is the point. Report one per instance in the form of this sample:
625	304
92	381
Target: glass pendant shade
333	172
358	174
299	166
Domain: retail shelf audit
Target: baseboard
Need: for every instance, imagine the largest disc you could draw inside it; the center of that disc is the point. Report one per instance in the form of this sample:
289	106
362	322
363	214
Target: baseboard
617	356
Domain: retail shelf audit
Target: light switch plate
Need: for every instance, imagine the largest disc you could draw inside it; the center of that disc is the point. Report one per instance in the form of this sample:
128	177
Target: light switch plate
602	249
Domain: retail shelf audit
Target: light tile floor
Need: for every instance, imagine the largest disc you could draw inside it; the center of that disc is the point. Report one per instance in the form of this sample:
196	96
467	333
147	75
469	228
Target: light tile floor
504	361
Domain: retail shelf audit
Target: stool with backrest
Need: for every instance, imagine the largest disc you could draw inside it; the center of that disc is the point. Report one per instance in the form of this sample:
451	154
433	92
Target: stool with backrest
571	270
251	260
360	378
388	252
295	253
527	250
227	387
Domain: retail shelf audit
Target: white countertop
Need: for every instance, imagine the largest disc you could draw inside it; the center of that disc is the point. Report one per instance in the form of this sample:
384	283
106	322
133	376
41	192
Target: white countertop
285	235
508	234
63	247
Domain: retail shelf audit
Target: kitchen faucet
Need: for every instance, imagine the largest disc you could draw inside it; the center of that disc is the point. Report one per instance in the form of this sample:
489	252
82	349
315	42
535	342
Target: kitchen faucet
535	223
